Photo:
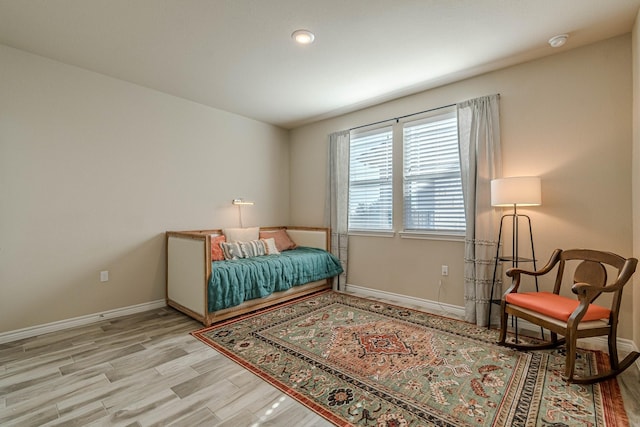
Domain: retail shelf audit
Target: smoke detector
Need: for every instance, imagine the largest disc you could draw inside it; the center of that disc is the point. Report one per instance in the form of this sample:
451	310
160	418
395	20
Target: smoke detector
559	40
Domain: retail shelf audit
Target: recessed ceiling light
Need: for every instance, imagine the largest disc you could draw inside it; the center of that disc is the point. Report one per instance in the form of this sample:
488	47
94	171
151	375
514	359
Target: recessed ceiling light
303	36
559	40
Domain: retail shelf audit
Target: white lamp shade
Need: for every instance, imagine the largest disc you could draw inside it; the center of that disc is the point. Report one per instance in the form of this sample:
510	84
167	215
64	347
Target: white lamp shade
516	190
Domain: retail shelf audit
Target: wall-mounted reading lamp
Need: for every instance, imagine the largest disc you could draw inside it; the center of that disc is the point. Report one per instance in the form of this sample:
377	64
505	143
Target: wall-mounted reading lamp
240	203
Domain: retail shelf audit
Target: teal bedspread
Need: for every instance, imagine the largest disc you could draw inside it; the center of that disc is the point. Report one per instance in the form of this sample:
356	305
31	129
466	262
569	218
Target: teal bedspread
235	281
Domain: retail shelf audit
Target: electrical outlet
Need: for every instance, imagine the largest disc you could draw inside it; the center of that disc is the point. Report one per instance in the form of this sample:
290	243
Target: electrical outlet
445	270
104	276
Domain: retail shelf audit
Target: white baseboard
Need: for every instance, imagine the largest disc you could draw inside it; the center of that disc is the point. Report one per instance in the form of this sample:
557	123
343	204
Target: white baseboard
625	346
60	325
428	305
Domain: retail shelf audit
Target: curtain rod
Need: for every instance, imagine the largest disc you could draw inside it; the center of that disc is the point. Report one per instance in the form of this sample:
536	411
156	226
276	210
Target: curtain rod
397	119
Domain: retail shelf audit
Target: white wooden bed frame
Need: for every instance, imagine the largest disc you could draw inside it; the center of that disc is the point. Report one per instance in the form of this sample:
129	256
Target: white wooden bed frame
189	269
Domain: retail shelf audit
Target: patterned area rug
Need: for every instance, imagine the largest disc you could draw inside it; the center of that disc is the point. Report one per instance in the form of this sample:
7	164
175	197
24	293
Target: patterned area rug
361	362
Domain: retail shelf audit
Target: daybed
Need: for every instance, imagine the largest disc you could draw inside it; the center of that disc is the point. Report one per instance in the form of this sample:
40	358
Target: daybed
208	290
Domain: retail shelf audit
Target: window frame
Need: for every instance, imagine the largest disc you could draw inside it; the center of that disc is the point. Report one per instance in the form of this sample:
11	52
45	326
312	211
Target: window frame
434	233
397	208
363	133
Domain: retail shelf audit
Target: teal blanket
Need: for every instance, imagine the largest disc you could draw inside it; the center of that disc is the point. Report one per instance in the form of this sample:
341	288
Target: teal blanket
234	281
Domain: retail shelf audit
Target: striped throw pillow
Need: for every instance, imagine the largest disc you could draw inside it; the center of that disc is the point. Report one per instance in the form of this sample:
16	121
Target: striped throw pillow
237	250
253	248
231	250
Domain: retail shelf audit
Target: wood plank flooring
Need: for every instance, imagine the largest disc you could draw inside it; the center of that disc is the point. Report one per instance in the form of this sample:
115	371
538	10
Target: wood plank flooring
146	370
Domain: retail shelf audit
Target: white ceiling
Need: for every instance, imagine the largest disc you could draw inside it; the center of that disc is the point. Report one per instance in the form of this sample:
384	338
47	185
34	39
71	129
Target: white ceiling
238	56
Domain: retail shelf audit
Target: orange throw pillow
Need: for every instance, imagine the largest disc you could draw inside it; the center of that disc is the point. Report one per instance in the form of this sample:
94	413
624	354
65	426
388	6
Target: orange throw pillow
216	250
283	241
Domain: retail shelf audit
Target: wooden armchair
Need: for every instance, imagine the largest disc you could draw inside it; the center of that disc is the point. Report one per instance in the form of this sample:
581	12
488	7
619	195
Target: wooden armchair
573	318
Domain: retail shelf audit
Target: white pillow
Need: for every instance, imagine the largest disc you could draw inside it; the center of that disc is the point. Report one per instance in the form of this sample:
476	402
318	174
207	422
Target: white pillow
241	234
270	246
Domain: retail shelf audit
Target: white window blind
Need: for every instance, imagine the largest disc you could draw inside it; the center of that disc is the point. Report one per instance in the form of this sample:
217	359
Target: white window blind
432	182
370	180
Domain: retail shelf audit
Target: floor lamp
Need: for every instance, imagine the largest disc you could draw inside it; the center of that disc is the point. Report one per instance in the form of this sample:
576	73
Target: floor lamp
514	191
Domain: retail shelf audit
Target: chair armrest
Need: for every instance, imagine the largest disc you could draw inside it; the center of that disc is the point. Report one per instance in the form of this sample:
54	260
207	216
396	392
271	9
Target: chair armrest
592	292
515	273
588	293
555	257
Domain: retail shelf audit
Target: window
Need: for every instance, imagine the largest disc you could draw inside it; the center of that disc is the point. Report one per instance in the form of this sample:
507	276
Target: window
426	150
370	180
433	200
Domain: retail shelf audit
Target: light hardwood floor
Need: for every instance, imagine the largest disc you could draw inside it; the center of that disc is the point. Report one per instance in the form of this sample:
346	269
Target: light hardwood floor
145	370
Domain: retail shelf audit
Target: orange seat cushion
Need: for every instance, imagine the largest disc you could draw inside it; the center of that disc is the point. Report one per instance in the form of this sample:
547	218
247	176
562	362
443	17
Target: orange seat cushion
555	306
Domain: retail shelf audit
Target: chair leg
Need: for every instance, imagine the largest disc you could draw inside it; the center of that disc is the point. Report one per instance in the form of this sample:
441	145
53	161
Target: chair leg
616	366
502	338
503	326
570	361
613	349
624	364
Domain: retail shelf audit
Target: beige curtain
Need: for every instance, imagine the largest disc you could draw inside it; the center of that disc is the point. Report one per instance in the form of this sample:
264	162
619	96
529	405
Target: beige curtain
337	200
480	162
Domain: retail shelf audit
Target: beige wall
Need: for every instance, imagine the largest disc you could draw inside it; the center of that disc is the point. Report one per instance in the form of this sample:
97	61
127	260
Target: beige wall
636	172
93	170
566	118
